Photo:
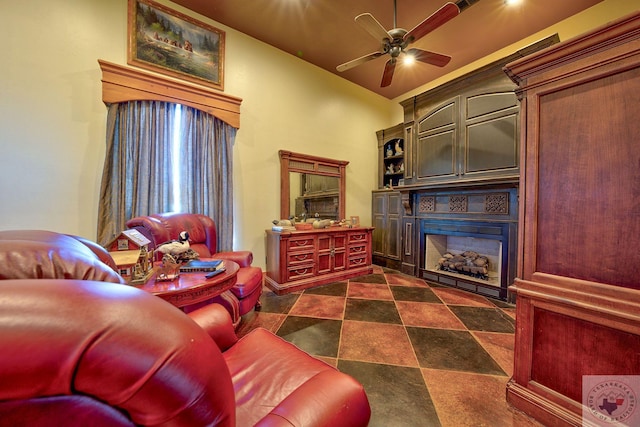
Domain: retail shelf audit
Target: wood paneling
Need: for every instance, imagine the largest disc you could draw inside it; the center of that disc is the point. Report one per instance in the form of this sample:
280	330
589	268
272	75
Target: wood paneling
122	84
578	292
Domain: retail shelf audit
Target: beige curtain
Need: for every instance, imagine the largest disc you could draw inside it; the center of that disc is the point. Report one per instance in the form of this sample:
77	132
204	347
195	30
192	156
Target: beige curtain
208	174
139	169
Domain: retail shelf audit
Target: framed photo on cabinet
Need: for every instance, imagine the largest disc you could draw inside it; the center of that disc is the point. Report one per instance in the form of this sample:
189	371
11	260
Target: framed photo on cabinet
166	41
355	221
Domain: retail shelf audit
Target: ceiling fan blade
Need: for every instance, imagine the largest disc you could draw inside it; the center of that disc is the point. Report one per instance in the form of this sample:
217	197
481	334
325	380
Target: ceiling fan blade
372	26
432	58
355	62
387	75
439	17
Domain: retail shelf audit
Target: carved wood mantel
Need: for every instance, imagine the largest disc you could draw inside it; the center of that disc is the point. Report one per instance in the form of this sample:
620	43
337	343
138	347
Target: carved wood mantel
122	84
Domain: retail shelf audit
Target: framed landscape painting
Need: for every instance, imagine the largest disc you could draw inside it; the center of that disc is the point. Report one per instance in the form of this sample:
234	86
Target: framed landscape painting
169	42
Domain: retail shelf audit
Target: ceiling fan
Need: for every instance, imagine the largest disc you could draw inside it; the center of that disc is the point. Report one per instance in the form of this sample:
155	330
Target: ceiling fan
396	40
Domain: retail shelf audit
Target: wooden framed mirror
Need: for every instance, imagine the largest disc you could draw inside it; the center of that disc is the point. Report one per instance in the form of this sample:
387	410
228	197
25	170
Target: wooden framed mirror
311	185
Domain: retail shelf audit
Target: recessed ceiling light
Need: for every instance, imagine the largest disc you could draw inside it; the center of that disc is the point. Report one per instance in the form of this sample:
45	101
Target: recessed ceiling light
512	2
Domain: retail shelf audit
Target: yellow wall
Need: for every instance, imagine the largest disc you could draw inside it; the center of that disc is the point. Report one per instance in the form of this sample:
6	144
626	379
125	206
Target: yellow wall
52	120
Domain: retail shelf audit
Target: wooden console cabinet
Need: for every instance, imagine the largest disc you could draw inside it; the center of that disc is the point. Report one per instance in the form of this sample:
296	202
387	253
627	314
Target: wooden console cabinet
298	260
578	284
387	219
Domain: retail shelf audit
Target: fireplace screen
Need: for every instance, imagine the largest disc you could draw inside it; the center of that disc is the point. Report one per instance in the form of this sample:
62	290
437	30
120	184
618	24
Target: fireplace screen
475	258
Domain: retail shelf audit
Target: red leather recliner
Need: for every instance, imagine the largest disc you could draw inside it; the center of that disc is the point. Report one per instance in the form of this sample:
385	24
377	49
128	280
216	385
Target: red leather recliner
160	228
41	254
81	352
77	351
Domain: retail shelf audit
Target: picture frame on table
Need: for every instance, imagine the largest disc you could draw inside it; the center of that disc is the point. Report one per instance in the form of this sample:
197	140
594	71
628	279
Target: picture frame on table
355	221
168	42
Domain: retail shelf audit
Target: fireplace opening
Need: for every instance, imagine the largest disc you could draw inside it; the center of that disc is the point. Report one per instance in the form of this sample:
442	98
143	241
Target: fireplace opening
472	257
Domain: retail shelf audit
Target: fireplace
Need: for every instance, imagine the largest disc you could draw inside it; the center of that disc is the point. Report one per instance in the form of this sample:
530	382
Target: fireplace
469	245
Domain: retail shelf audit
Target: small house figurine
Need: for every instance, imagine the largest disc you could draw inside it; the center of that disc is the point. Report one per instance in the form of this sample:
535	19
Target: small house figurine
134	260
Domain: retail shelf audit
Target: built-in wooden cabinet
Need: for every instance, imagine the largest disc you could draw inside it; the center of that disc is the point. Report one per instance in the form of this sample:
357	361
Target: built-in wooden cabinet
469	136
468	130
391	163
298	260
578	288
386	220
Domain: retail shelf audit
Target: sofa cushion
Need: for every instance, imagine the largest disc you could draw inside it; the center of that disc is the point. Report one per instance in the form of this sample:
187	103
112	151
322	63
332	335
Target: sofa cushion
39	254
249	279
291	385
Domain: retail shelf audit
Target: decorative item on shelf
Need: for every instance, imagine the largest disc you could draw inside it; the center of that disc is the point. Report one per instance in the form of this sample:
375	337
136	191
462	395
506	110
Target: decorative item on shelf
398	147
134	260
400	167
323	223
401	182
389	151
303	226
169	270
282	225
390	169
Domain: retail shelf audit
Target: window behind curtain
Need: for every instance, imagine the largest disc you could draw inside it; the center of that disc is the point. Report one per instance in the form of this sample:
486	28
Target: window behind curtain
162	157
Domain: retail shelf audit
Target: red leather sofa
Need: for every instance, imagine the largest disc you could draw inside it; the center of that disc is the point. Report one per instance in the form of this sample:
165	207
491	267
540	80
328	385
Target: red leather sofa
88	352
160	228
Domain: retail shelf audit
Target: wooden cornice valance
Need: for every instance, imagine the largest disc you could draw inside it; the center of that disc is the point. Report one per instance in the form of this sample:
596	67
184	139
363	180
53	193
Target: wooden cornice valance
122	84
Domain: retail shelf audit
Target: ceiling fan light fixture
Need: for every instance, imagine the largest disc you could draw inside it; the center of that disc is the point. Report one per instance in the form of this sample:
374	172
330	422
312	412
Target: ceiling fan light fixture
396	40
408	59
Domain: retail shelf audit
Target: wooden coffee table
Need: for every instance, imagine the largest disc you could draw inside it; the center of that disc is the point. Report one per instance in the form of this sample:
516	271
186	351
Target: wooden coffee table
192	288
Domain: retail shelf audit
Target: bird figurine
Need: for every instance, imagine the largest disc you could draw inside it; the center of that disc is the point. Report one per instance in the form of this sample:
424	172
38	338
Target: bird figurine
175	247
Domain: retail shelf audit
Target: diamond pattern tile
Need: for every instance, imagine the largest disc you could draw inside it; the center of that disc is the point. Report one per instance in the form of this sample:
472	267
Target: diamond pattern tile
427	355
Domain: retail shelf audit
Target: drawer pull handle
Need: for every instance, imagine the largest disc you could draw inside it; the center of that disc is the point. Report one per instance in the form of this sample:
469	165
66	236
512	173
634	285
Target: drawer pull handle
301	272
301	242
301	257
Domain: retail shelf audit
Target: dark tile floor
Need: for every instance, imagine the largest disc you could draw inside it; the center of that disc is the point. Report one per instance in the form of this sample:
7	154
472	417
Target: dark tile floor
426	355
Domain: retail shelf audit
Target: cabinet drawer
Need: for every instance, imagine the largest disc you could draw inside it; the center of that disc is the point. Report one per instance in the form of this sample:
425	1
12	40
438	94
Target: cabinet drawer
358	237
357	249
299	272
295	258
357	261
301	244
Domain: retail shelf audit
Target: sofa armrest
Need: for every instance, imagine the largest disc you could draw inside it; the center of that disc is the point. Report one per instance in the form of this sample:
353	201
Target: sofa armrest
328	399
100	252
217	322
242	258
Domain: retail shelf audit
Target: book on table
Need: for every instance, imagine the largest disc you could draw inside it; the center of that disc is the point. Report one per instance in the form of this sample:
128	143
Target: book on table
201	265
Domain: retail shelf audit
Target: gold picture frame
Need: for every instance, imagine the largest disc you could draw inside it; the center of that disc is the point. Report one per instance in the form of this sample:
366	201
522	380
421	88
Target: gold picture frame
163	40
355	221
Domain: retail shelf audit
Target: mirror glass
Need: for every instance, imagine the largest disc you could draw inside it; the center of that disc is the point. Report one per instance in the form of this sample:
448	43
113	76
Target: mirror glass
312	196
311	185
